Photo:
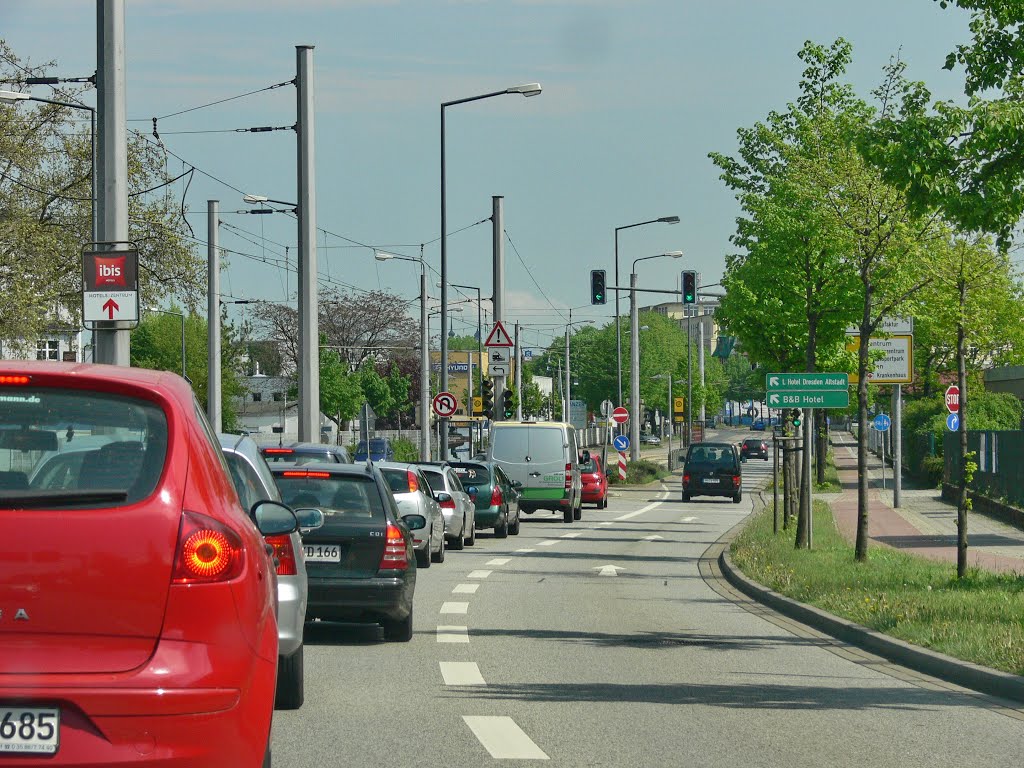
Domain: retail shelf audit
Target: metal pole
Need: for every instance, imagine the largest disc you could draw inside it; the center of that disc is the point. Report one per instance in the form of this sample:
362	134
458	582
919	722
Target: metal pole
810	479
567	407
689	382
670	415
309	332
469	397
897	446
519	376
635	412
442	445
424	366
775	483
498	277
882	441
111	341
618	326
700	366
213	383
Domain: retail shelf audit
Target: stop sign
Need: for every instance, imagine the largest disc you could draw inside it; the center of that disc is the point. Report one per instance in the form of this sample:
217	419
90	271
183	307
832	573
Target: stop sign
953	398
620	415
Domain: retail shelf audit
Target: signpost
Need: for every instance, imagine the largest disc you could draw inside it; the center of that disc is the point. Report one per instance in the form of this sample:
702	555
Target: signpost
881	424
110	286
620	415
621	443
445	404
953	398
953	422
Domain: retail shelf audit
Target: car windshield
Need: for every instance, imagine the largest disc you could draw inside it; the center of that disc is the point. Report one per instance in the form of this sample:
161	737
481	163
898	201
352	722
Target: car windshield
350	495
297	457
63	447
589	466
398	480
436	481
711	456
474	475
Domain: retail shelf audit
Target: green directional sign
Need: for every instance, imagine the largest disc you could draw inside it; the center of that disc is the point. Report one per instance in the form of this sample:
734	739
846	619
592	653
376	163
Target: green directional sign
799	381
809	398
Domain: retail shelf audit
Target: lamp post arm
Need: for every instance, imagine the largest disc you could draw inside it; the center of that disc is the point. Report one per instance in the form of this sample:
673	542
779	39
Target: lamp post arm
473	98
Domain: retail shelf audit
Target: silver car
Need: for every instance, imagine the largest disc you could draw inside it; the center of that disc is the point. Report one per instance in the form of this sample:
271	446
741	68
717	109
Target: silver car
414	497
254	482
458	508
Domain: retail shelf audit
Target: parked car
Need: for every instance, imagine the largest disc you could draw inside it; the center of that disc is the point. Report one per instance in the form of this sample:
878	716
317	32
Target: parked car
595	482
753	447
650	440
457	507
413	494
544	457
758	426
495	497
712	469
360	563
305	453
379	449
162	648
254	483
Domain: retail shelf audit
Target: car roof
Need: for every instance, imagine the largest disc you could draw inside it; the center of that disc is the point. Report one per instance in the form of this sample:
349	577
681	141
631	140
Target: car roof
100	375
711	445
242	444
361	468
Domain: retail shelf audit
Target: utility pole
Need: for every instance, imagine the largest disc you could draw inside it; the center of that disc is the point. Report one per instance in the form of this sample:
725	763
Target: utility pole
214	411
498	278
897	445
689	377
519	376
111	340
424	364
635	412
567	388
700	364
309	330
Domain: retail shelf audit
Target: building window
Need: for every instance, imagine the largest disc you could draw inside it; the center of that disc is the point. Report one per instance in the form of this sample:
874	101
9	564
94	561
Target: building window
48	349
278	397
257	397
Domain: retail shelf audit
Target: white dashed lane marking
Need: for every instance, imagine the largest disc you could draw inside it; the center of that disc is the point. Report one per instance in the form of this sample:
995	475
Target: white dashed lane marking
465	589
572	535
454	607
526	550
461	673
499	561
503	738
449	634
479	574
548	543
604	525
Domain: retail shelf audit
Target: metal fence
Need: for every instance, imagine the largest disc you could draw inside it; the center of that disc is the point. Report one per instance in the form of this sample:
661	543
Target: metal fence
1000	459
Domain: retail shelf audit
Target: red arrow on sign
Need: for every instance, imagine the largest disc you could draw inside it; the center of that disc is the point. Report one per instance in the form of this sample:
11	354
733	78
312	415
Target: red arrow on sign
110	307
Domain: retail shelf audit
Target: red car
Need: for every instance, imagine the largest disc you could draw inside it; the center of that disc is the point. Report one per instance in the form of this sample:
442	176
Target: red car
595	484
136	596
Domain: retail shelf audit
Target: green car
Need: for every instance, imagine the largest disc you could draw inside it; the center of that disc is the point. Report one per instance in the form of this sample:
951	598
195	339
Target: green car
496	498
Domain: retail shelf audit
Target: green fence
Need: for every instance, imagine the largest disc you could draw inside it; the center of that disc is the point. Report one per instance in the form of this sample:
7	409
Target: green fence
1000	459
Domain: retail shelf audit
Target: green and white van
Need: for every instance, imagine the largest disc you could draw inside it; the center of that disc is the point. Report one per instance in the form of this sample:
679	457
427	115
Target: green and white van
544	457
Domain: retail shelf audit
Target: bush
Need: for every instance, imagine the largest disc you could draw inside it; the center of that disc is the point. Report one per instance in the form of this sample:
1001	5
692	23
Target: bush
405	449
643	471
933	467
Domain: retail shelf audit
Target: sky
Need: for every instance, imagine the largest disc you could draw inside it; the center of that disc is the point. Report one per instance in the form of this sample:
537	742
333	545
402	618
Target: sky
636	93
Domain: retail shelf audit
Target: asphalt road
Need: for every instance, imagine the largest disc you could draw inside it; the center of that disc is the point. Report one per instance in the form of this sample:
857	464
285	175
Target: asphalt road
529	648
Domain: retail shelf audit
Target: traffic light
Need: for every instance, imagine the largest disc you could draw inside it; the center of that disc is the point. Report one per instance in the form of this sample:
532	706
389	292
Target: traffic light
689	287
487	395
598	278
797	417
507	406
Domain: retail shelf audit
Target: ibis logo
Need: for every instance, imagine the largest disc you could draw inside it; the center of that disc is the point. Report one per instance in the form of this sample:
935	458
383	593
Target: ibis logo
110	272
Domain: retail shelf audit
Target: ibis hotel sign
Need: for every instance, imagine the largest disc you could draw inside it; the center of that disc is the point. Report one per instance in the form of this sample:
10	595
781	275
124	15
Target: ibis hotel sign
110	286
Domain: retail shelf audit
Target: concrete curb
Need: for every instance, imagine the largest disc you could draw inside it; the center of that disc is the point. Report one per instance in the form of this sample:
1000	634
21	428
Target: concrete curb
963	673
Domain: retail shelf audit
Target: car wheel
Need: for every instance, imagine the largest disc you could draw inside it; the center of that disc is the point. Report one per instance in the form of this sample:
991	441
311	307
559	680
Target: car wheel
472	535
290	682
738	497
438	556
501	531
686	496
456	541
423	558
266	757
514	528
399	631
567	515
578	512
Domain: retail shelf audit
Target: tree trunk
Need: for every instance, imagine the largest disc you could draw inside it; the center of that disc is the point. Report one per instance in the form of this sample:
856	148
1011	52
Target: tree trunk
861	551
821	435
961	380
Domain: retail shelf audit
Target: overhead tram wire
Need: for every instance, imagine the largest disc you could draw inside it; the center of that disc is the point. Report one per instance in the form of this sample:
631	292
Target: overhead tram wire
530	273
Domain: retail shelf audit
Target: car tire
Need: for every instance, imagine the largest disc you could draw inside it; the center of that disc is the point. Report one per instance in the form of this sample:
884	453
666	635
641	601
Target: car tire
456	542
266	757
471	540
290	682
438	557
514	528
567	515
398	631
577	513
738	497
501	531
423	557
686	496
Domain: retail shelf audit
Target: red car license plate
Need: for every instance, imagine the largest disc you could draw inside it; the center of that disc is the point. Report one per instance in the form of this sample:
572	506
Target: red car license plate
29	730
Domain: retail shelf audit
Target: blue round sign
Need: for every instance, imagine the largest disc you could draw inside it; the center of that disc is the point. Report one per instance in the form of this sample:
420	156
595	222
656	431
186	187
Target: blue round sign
882	422
953	422
621	443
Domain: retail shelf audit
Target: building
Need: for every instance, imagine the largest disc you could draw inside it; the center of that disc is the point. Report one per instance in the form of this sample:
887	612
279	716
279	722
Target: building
699	317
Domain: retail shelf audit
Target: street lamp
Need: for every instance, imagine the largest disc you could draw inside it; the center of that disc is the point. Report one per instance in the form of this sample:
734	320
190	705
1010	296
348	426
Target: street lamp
618	327
182	316
530	89
566	409
634	362
424	350
261	199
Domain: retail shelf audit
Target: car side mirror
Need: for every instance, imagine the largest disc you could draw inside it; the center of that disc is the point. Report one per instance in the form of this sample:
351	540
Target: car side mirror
518	485
473	491
414	522
273	518
309	519
441	496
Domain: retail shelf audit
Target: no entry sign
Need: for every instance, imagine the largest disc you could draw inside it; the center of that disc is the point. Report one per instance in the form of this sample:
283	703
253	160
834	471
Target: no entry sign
953	398
620	415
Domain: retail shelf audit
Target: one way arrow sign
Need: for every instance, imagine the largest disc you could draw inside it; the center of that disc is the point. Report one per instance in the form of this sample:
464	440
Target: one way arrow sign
773	381
608	570
773	399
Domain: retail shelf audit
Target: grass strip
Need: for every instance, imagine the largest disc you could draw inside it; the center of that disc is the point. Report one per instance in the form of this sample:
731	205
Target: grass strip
979	618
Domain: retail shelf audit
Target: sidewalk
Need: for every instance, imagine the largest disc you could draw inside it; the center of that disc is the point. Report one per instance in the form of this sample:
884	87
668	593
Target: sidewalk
924	524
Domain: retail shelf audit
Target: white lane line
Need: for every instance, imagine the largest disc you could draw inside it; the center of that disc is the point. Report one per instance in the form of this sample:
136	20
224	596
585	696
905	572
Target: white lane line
478	574
604	525
503	738
526	550
688	519
465	589
548	543
572	535
461	673
451	634
499	561
640	511
454	607
652	537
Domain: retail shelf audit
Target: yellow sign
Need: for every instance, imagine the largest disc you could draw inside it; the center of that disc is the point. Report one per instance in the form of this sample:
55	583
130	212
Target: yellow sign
478	406
679	405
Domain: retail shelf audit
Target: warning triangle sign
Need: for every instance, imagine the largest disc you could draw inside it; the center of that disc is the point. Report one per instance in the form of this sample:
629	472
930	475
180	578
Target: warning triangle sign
498	337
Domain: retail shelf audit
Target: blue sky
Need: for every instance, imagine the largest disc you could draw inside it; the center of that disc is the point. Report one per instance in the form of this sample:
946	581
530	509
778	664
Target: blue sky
636	93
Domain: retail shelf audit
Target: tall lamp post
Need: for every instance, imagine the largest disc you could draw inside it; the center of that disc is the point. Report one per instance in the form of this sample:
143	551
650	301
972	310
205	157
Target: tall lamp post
634	360
567	389
424	351
618	327
530	89
182	316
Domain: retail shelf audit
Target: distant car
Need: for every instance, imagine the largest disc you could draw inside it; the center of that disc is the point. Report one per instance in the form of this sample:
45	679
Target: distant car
138	598
380	449
754	447
305	453
254	483
758	426
458	508
595	482
413	495
650	440
361	563
495	497
712	469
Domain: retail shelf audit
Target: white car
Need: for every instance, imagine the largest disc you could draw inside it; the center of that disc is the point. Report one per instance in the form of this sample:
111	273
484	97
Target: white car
457	506
414	497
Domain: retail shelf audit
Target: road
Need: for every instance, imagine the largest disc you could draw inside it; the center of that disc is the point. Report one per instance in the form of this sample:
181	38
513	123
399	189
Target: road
528	648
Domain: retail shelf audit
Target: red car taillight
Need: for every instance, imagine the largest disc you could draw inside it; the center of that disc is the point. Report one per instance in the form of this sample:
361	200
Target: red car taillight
736	480
284	554
568	475
207	551
14	380
306	473
686	479
496	497
447	504
394	557
413	484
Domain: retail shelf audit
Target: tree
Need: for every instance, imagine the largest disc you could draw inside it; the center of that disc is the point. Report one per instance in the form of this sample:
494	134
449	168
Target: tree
340	392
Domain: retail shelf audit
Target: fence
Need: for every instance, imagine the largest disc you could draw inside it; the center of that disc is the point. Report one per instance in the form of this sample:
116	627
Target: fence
1000	459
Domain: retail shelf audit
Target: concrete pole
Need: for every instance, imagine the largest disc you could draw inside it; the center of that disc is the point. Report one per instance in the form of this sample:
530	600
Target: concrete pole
700	364
670	417
519	376
111	341
618	326
469	396
635	412
498	278
214	410
424	367
309	330
567	407
897	445
689	379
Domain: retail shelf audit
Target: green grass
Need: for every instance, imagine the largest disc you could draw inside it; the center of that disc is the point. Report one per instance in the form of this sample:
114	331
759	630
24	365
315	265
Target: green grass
979	618
640	473
831	484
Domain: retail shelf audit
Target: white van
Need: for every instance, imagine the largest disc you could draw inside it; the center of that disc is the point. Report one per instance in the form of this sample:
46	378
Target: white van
543	457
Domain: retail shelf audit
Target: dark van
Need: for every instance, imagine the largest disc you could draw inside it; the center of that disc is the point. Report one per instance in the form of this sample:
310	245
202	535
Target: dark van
712	469
379	450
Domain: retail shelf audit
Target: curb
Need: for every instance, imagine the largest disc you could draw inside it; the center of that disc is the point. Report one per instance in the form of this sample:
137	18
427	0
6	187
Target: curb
963	673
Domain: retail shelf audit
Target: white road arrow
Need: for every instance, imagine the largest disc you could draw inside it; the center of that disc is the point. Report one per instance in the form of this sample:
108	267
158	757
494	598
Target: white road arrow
773	381
688	519
608	570
655	537
773	399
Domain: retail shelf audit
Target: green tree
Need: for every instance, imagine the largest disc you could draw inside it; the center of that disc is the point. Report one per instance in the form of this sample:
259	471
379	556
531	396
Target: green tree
376	390
341	395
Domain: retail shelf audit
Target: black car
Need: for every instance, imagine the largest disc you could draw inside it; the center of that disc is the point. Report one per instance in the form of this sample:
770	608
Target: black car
712	469
305	453
360	563
754	447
